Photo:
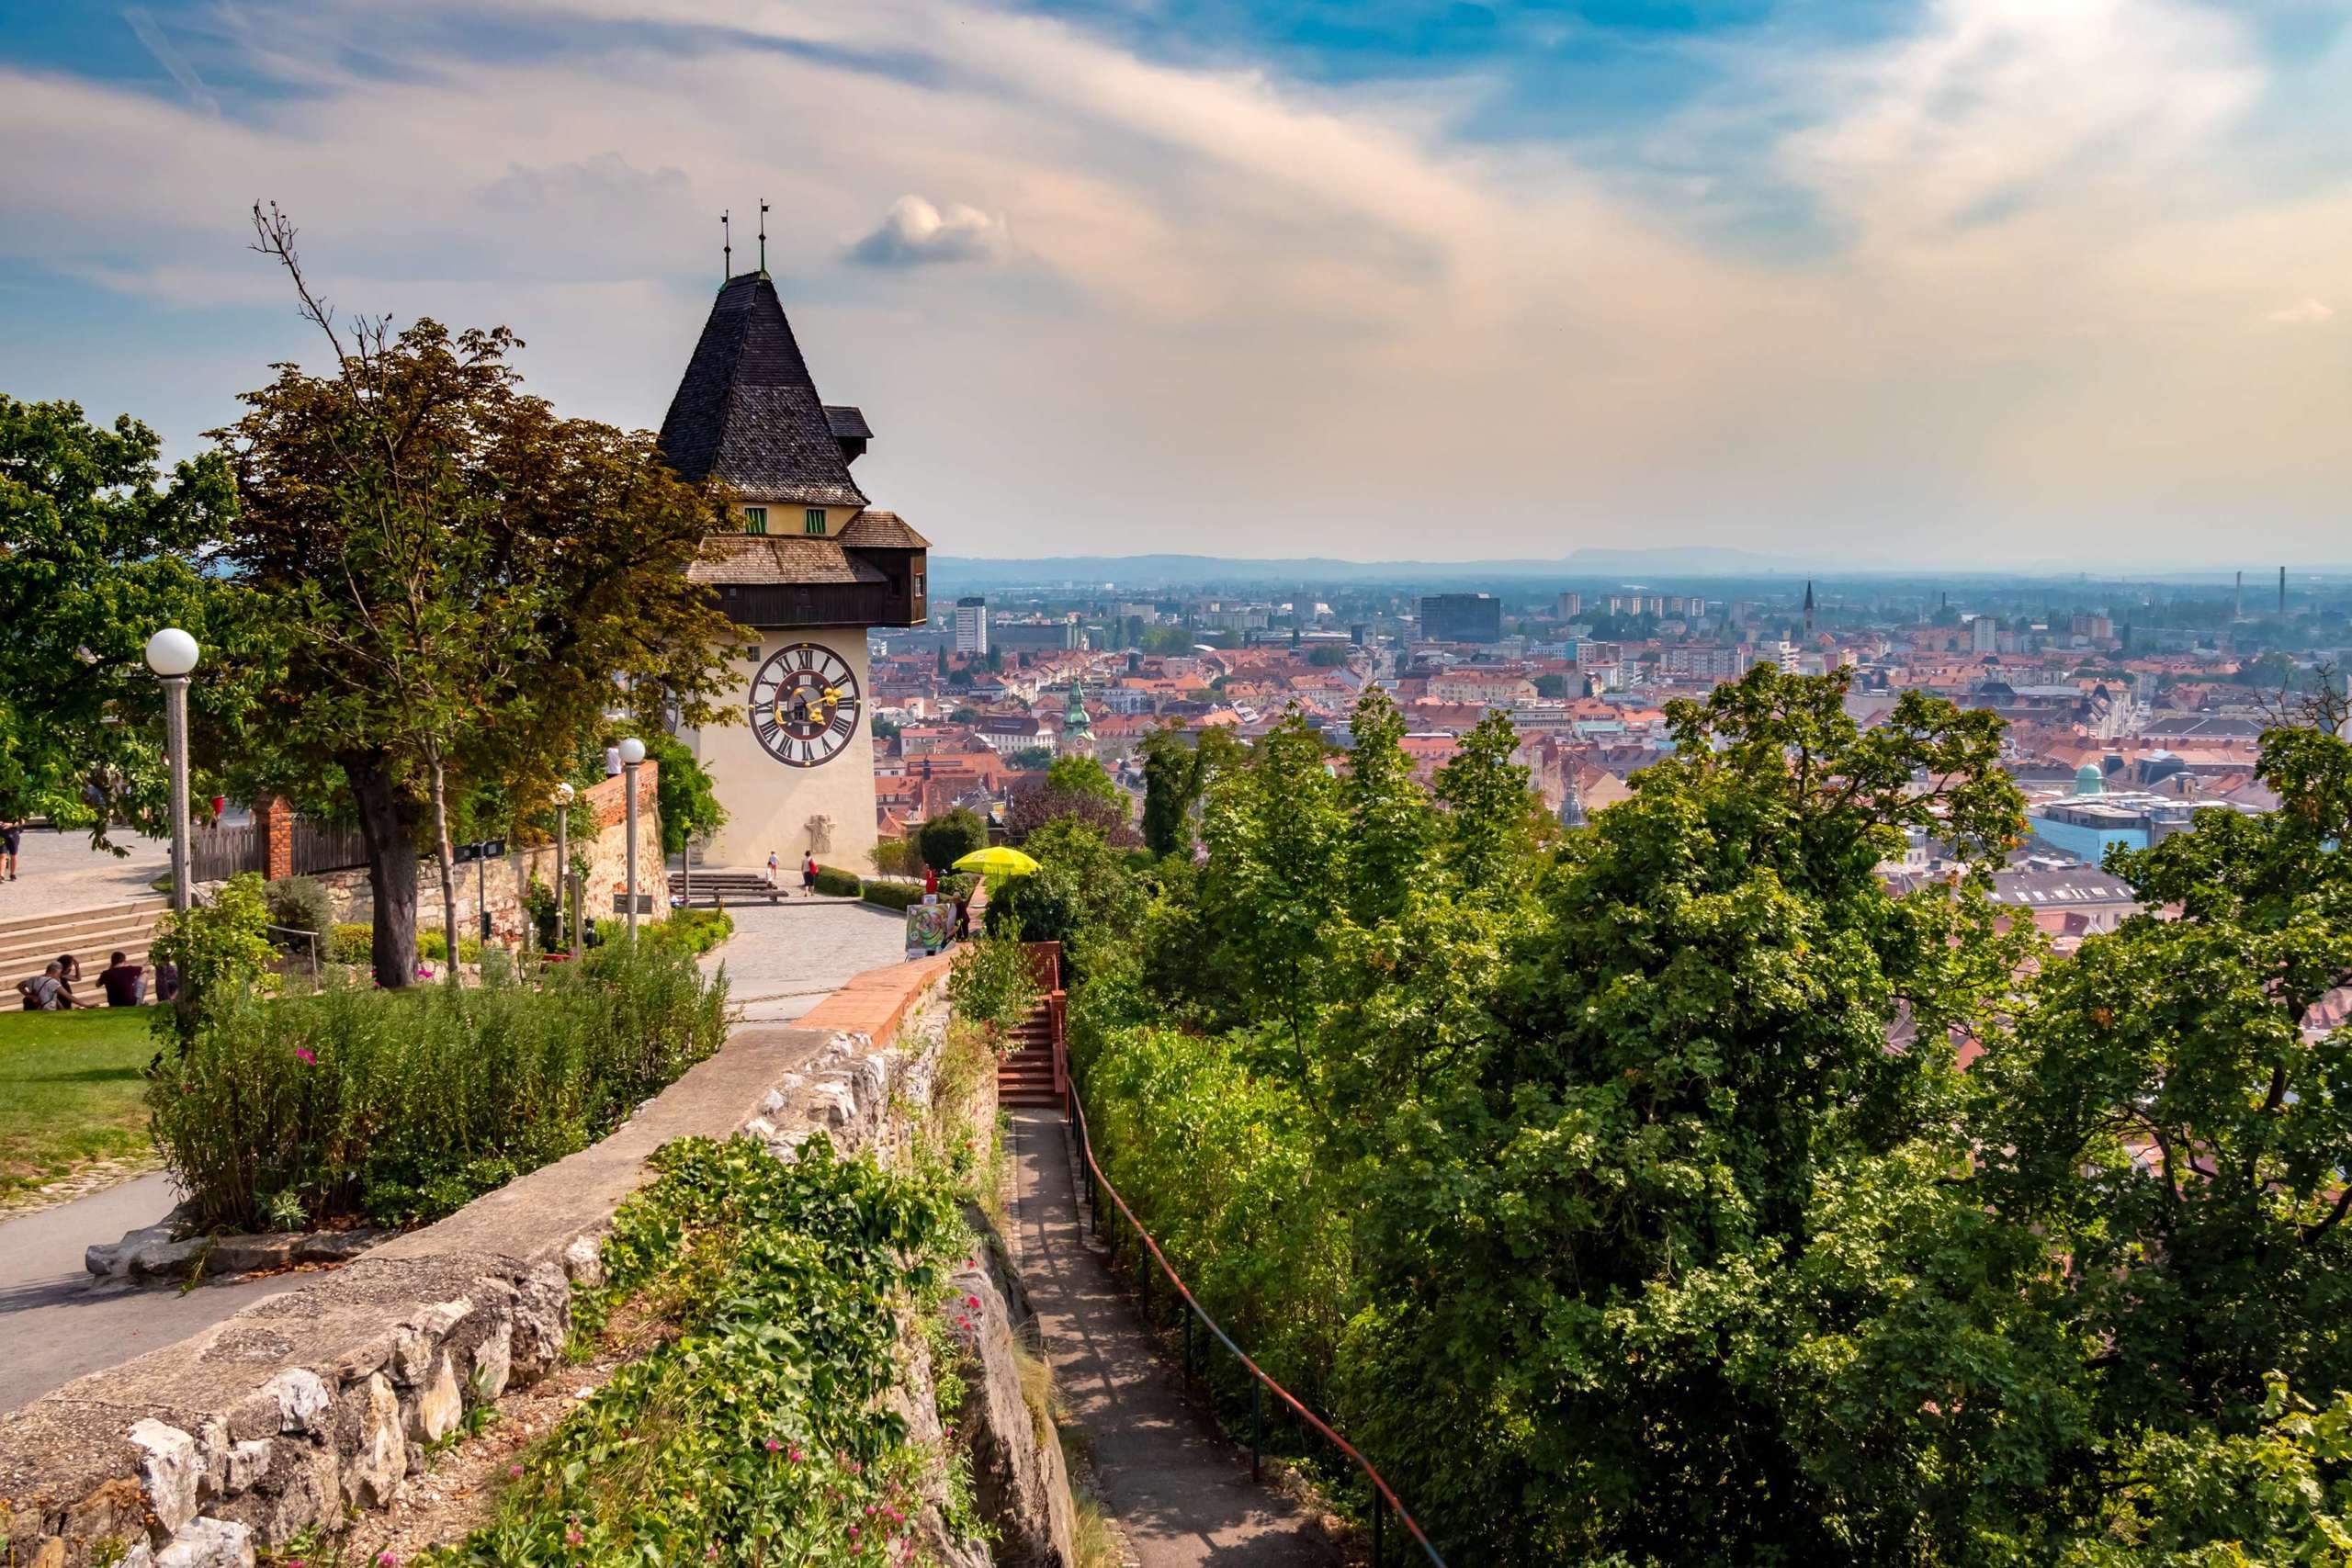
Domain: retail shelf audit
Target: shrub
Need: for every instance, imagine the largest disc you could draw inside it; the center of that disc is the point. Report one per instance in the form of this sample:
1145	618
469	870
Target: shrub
835	882
297	904
435	946
992	985
896	857
693	931
770	1423
894	895
220	949
351	943
401	1106
949	837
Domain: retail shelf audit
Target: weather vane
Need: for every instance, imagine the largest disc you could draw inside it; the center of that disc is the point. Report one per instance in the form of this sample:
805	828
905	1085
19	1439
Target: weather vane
726	249
764	237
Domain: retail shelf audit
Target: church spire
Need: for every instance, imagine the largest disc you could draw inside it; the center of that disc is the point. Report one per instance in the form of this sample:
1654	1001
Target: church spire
1808	607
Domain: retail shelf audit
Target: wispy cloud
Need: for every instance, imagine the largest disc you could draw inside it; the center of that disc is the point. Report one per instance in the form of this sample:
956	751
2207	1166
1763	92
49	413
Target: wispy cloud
2040	250
150	34
915	233
2303	314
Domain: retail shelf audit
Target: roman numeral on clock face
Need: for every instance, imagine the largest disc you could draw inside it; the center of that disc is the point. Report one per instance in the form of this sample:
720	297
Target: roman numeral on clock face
803	705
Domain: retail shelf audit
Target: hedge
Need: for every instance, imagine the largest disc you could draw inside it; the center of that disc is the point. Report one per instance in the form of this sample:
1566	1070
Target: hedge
835	882
893	894
400	1107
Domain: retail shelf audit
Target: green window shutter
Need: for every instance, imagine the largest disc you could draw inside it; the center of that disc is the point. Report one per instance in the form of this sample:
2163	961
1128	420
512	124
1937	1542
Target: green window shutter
816	520
755	520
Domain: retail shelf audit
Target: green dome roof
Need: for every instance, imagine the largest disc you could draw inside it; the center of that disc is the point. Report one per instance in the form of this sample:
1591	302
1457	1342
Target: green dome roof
2090	780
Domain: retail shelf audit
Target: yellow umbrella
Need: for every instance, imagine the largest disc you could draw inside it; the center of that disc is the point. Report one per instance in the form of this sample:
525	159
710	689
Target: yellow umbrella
998	861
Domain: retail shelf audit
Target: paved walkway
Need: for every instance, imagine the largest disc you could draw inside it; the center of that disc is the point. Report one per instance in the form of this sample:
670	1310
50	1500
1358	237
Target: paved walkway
54	1326
784	959
56	872
1182	1495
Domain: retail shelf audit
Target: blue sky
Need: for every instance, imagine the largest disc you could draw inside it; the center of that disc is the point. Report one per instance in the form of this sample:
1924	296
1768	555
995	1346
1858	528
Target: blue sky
1967	282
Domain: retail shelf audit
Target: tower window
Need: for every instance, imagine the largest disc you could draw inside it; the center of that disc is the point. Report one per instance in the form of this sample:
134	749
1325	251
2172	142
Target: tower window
815	522
755	520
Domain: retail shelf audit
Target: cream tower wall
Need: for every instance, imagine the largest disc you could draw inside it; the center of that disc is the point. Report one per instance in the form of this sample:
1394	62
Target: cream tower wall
771	806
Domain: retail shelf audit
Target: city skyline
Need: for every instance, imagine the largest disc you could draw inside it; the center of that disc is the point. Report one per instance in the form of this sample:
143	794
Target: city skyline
1974	282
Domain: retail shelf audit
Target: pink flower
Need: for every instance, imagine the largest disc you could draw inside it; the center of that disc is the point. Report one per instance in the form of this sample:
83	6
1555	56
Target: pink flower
772	1445
971	1301
572	1537
308	1060
710	1553
514	1473
852	1529
386	1560
794	1456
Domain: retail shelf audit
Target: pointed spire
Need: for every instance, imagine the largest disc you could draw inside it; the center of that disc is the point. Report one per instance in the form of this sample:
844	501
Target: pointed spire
764	236
726	249
747	412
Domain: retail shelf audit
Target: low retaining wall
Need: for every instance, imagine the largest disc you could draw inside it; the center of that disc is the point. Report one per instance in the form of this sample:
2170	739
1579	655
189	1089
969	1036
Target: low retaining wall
309	1406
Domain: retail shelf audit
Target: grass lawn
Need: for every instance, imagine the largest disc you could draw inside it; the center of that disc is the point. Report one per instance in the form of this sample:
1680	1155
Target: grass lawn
71	1089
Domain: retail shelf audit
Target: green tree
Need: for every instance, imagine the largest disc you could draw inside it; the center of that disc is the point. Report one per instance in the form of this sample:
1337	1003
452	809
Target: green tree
1272	889
1585	1229
1031	760
1390	827
95	554
685	796
454	583
1495	819
949	837
1177	771
1084	778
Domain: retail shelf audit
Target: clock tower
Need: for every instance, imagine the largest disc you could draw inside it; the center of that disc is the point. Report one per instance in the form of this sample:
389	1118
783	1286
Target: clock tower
809	567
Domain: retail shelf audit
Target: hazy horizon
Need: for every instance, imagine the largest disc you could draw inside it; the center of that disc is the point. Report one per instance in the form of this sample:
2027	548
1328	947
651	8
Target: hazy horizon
1902	284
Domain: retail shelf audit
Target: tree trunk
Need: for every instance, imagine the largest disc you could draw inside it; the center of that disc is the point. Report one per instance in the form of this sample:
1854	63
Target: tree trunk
447	854
387	822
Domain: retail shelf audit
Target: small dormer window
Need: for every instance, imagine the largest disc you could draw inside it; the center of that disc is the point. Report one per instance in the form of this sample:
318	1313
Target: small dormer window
815	522
755	520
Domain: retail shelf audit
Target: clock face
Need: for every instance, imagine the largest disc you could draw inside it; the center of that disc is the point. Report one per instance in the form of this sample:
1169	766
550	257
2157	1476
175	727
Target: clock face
804	705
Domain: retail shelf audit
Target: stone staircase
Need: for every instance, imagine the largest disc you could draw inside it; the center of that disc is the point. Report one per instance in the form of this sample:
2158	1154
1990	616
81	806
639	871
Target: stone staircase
710	888
29	942
1024	1076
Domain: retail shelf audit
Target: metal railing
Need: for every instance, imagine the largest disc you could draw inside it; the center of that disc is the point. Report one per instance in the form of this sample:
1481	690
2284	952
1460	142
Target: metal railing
1384	1496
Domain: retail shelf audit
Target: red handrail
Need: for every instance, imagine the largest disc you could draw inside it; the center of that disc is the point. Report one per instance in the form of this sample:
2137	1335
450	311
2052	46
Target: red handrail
1086	1144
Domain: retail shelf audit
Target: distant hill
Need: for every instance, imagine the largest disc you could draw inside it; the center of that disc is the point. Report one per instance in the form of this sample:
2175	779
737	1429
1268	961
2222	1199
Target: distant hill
976	574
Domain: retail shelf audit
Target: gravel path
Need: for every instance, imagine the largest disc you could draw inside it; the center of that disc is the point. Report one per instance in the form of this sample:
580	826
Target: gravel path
1181	1495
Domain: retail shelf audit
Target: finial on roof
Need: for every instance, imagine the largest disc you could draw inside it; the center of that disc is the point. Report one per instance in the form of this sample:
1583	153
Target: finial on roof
764	237
726	250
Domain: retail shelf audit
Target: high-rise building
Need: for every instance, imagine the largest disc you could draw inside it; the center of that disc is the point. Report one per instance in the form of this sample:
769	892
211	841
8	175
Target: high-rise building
972	626
1571	606
1461	618
1984	634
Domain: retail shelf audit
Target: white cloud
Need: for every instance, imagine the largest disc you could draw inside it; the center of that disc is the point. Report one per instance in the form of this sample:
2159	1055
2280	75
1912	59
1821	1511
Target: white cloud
2305	312
1277	317
915	233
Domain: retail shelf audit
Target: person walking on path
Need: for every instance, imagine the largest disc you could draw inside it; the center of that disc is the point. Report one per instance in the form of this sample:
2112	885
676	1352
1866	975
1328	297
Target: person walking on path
774	868
809	874
12	839
929	880
47	991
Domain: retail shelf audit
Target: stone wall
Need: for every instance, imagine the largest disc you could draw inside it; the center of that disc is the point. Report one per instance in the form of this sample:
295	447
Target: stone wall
598	829
311	1407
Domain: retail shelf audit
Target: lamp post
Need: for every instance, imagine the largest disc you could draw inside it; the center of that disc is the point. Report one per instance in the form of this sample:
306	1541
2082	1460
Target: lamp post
632	755
171	653
563	796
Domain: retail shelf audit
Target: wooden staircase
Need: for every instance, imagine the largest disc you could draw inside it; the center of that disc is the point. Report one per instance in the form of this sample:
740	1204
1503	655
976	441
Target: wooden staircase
1037	1071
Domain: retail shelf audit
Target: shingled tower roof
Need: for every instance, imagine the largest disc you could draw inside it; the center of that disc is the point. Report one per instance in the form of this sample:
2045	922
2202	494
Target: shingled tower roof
747	414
